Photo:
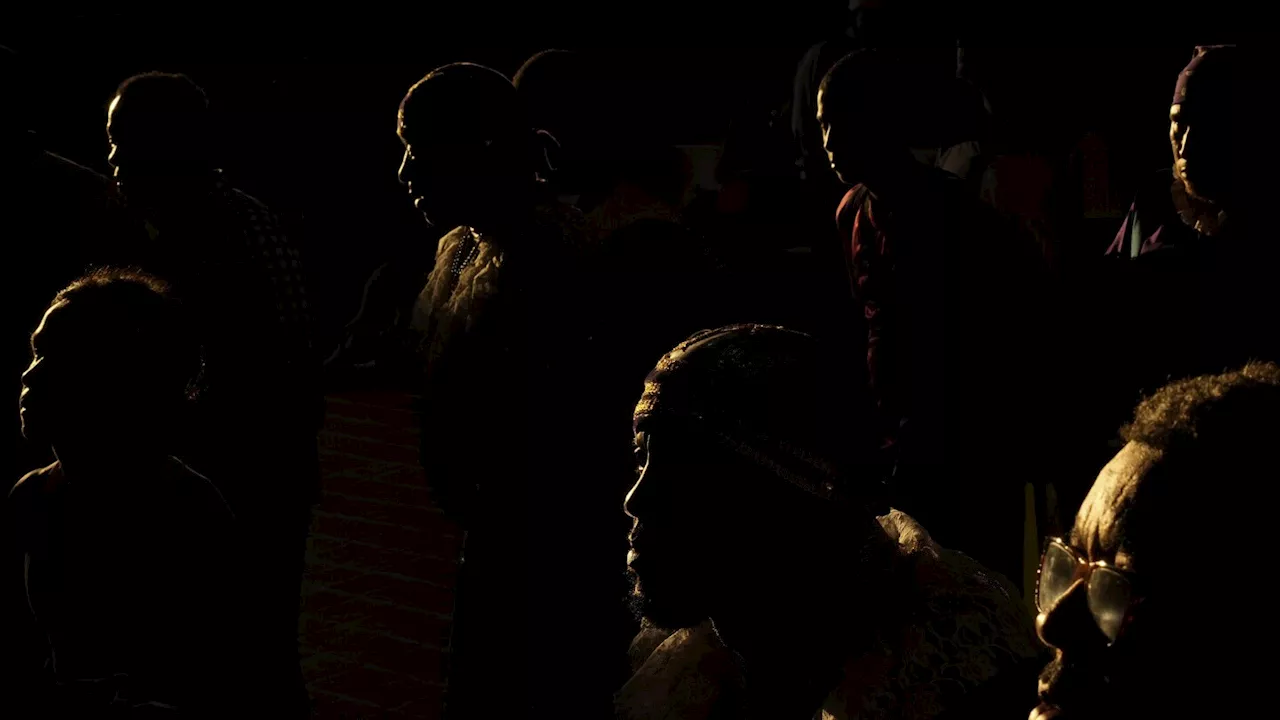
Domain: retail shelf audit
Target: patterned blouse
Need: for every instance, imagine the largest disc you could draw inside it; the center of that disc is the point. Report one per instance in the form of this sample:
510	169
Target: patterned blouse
279	258
968	626
242	278
259	246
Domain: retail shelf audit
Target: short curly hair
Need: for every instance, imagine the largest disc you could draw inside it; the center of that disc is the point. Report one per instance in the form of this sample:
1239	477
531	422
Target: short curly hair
129	306
1234	415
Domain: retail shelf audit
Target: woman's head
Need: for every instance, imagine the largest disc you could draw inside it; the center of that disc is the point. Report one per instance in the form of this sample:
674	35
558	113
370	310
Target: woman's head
755	460
873	105
113	358
470	148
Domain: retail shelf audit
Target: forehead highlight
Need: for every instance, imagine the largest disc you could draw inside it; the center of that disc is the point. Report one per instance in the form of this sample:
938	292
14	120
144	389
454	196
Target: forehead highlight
1099	527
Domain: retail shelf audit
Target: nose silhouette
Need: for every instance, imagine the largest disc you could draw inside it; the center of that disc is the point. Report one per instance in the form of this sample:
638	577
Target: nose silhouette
631	505
1069	625
30	373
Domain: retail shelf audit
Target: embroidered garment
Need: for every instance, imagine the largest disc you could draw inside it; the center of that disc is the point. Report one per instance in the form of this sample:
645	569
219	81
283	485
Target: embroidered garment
965	627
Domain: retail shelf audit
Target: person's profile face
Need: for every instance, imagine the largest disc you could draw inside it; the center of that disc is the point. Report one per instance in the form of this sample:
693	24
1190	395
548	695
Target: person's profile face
1096	671
61	382
1201	143
845	141
447	174
680	541
147	154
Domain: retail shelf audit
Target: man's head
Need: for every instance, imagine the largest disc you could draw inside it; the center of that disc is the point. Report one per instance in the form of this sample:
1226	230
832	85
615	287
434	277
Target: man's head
468	144
1201	122
555	86
158	127
1142	635
567	94
754	463
112	361
873	105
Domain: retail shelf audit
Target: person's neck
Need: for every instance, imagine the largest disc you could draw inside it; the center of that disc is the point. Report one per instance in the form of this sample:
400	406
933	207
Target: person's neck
174	195
896	180
821	606
505	220
791	663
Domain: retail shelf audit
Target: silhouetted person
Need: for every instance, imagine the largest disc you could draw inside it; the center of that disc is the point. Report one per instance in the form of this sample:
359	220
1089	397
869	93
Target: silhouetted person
1190	200
1133	637
53	213
566	93
770	238
630	187
921	25
1190	286
128	555
762	540
254	428
608	162
949	295
504	348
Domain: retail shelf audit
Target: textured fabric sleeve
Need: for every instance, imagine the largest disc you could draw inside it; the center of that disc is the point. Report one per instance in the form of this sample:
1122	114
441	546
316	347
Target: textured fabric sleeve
279	263
281	260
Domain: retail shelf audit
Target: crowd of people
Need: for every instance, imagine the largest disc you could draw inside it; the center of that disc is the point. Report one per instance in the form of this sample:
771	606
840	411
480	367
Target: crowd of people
872	383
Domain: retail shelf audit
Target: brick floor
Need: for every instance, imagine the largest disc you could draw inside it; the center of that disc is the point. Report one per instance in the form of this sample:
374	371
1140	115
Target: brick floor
378	594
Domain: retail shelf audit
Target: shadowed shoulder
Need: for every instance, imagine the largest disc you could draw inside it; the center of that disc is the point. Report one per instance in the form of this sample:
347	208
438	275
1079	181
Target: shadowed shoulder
34	484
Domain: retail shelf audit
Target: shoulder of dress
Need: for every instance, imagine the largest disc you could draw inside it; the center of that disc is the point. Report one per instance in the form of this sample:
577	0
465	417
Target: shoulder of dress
34	483
684	677
973	596
450	240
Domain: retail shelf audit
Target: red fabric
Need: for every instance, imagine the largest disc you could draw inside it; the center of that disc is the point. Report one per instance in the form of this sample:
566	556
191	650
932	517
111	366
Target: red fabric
868	259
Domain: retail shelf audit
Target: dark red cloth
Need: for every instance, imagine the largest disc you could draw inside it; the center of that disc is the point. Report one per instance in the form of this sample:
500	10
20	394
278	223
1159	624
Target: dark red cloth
951	297
869	259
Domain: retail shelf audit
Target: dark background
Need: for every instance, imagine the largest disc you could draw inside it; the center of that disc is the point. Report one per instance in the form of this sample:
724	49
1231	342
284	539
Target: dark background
308	104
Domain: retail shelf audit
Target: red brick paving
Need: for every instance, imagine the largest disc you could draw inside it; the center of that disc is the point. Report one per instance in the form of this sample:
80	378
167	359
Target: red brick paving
378	596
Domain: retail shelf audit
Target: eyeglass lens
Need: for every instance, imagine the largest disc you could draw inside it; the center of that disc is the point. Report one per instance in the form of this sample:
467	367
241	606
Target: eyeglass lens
1108	591
1057	573
1108	600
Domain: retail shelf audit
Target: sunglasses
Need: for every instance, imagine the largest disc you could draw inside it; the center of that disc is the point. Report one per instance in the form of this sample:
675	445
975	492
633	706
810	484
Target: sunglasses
1109	591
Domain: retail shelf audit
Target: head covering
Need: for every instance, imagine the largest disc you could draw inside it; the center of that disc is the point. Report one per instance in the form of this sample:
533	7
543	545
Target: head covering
1210	73
776	399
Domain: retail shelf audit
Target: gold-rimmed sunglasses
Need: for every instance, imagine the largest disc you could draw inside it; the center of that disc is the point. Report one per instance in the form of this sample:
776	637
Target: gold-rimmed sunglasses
1109	590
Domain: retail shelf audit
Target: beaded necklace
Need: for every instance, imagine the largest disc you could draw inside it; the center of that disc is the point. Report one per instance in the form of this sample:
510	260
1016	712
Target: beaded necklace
468	250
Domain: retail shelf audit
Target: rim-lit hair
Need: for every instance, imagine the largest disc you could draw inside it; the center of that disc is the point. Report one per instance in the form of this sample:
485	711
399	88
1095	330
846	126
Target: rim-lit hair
141	310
